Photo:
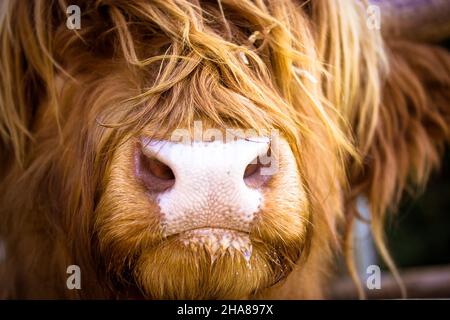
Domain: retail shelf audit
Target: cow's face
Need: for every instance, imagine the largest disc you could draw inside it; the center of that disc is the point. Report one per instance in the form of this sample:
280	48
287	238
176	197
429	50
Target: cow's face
194	211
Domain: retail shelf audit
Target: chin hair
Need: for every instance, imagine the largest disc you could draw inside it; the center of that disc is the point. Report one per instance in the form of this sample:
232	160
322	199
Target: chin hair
174	270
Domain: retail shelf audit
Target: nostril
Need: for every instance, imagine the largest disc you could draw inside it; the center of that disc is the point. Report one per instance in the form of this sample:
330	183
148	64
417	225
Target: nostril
155	175
252	168
157	168
253	175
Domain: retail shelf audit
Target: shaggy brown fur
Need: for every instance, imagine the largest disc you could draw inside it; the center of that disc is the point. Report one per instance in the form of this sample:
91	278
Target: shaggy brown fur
73	102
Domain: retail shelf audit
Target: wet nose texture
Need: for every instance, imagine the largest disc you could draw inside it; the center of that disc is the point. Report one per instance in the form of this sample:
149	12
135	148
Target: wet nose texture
205	184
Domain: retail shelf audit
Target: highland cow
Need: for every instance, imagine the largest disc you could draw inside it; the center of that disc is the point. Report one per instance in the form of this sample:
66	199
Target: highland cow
107	162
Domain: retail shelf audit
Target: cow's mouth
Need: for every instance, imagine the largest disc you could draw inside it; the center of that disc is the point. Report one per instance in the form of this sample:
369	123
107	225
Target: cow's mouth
217	240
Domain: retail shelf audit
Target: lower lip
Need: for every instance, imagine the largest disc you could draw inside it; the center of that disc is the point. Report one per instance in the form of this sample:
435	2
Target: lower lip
216	238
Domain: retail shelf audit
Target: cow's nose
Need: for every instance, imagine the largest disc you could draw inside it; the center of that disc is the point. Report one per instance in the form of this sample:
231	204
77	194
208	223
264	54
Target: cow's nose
205	184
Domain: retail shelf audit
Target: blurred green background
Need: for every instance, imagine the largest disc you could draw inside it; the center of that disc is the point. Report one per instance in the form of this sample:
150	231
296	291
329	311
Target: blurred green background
419	233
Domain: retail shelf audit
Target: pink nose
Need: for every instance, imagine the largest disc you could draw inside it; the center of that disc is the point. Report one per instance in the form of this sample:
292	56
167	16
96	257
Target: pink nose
205	184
